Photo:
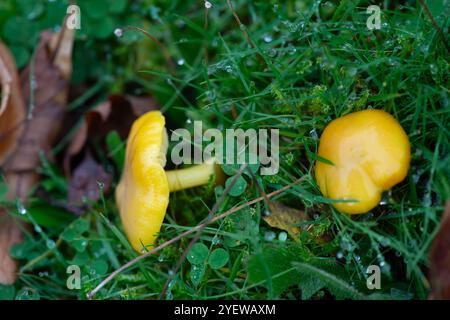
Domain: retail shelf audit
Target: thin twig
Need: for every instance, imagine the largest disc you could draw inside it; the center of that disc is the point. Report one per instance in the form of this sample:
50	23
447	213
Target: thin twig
158	43
186	233
244	30
211	214
436	26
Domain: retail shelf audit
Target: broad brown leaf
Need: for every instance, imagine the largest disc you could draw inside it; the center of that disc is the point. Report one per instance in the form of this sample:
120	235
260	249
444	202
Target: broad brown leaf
47	105
12	116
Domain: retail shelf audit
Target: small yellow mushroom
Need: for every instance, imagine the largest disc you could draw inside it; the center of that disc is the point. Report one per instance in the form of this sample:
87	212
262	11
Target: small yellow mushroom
142	194
370	153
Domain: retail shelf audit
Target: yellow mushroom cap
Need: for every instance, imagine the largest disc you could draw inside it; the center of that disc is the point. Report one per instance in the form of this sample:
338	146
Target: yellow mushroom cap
143	191
370	152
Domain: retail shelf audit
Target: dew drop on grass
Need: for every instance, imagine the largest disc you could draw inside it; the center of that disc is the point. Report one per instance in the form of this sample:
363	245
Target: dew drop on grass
340	255
267	38
282	236
215	240
269	236
208	5
37	228
50	243
291	49
20	208
118	32
433	69
180	62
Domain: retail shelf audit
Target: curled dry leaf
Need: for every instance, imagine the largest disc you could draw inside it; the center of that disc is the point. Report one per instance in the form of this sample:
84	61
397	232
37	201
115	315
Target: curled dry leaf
49	82
440	260
12	107
12	115
285	218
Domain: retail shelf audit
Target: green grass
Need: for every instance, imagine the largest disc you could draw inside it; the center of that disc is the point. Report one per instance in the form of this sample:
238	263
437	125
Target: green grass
306	65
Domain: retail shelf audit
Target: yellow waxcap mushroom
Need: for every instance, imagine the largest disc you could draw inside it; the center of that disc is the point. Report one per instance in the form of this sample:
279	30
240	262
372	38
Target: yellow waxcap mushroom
370	153
143	191
142	194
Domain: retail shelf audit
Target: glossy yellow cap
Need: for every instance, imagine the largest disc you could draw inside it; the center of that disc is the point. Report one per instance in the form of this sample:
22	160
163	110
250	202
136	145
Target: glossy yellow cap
370	152
143	191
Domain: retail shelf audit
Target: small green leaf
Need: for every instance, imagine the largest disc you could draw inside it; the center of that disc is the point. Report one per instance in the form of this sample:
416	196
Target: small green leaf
101	29
7	292
238	188
218	258
79	244
198	254
230	169
100	267
96	9
197	273
117	6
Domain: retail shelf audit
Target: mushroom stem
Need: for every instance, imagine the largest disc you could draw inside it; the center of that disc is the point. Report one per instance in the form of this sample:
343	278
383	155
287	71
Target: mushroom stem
190	177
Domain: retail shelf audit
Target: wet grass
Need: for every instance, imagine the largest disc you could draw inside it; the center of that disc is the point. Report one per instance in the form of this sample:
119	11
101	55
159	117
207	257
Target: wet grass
292	66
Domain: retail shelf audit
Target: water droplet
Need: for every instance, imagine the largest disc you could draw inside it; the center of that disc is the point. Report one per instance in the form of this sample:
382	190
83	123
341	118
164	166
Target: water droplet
180	62
161	258
340	255
357	258
291	49
20	208
50	243
37	228
101	185
267	38
242	27
313	134
433	69
208	5
118	32
271	53
385	242
269	236
215	240
282	236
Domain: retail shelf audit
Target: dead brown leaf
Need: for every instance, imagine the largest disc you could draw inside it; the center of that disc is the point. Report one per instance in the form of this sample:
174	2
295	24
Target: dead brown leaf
12	115
85	182
440	260
12	107
117	113
285	218
47	105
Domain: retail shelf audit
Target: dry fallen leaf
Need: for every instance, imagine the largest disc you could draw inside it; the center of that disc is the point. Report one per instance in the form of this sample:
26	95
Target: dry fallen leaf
285	218
85	181
47	105
440	260
12	115
12	107
117	113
